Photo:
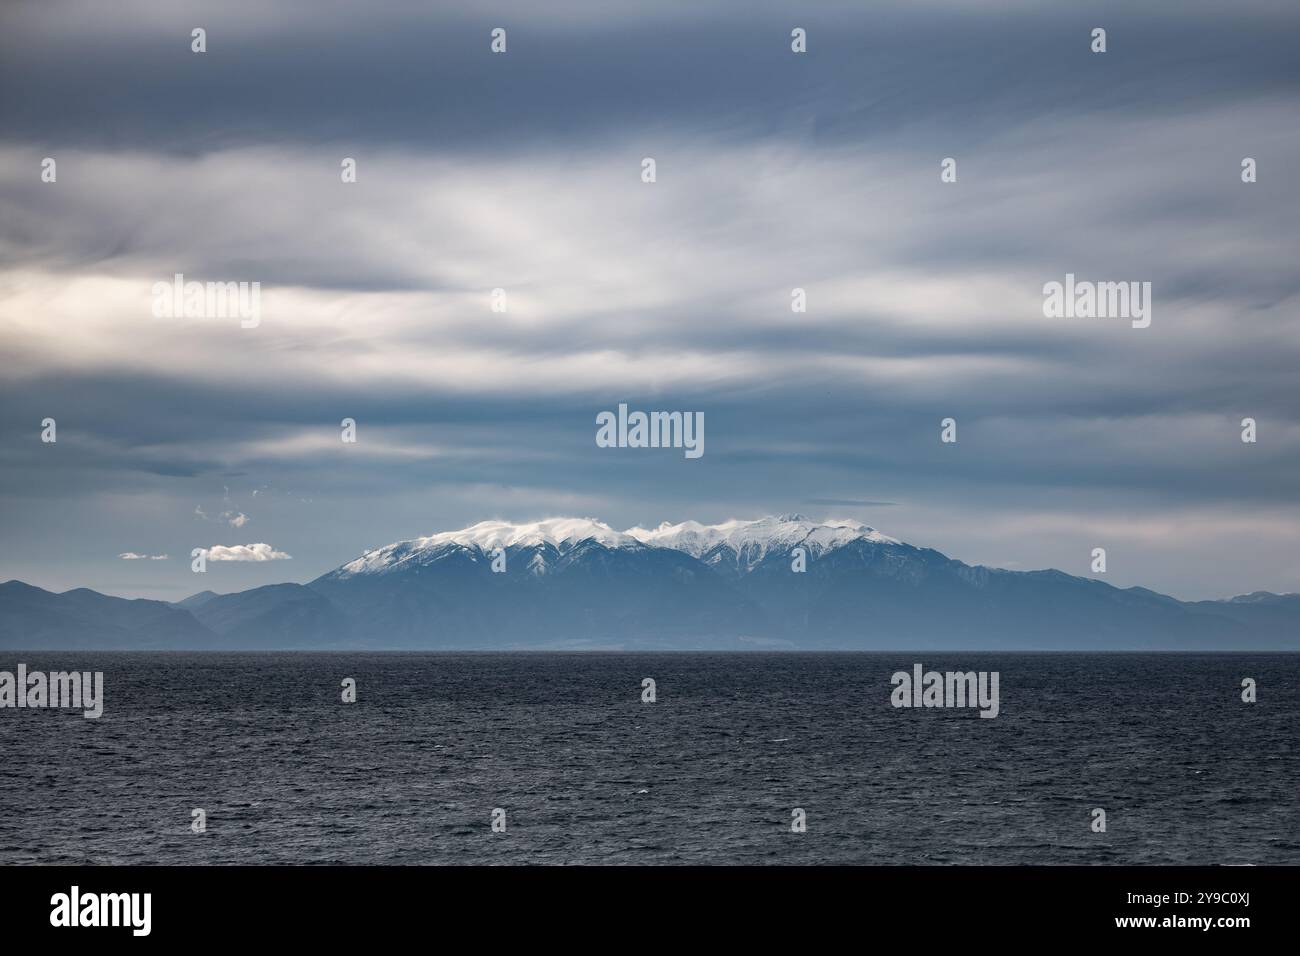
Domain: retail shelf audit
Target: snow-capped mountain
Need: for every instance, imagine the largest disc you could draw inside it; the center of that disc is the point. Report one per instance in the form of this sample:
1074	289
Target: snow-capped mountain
742	545
580	582
737	544
565	580
557	534
776	582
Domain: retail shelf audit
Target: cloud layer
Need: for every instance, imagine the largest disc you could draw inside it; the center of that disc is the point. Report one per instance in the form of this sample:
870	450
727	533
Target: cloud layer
522	173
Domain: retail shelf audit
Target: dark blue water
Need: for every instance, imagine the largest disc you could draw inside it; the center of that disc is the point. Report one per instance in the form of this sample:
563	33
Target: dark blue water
587	773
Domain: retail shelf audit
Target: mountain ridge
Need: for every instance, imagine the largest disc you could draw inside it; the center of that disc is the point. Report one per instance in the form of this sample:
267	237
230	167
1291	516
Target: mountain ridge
780	582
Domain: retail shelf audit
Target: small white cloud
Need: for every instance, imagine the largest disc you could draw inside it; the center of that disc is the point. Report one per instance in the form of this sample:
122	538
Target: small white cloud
237	519
200	513
132	556
245	552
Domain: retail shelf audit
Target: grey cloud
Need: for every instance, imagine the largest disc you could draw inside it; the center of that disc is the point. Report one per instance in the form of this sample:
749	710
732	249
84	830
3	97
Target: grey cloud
408	73
850	502
774	172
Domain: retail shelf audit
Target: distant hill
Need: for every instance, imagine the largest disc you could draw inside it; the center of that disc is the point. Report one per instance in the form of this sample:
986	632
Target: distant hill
34	619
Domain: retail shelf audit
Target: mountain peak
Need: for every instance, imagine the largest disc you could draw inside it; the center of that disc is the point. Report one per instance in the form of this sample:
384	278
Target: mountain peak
555	531
748	540
487	536
751	541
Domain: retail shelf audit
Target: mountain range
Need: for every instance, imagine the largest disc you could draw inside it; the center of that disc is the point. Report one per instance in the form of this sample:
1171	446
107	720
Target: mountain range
576	583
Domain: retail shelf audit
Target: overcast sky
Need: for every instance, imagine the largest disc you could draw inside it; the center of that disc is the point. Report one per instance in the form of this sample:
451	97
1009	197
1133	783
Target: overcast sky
522	171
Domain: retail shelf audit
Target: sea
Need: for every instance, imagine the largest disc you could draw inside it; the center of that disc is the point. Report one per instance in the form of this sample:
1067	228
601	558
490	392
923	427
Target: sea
744	758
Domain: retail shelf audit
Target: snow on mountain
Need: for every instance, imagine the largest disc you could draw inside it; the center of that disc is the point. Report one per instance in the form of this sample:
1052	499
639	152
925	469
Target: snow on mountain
751	541
748	542
554	531
487	536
